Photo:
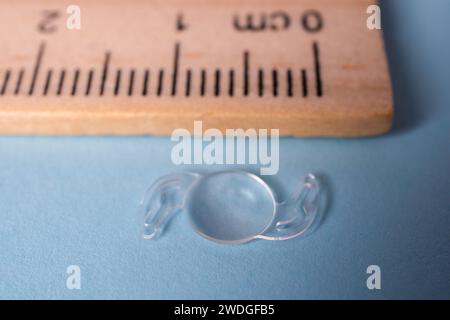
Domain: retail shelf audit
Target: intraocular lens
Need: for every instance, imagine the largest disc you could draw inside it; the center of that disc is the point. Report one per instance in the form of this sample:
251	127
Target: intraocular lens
230	206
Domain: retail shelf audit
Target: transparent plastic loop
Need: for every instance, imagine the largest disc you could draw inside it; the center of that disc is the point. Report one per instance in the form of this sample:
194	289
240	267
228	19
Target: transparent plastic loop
230	206
296	215
162	200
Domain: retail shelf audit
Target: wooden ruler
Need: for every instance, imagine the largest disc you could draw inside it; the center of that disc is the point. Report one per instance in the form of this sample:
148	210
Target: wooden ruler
306	67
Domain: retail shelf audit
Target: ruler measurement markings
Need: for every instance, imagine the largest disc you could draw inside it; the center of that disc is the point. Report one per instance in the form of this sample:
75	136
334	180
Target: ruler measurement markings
275	82
317	67
202	82
289	83
105	72
146	81
246	73
131	82
217	83
175	75
37	66
89	82
5	81
62	77
304	82
260	82
160	82
75	82
187	92
48	80
176	62
231	83
19	81
117	82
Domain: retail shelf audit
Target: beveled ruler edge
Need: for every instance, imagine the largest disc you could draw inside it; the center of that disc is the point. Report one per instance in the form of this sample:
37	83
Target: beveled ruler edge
66	123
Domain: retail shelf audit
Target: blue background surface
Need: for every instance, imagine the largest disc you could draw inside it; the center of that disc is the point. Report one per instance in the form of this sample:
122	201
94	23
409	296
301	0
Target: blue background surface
66	201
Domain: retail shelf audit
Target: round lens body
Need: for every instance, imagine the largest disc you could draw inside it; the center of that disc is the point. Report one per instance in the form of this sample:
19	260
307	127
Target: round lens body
230	206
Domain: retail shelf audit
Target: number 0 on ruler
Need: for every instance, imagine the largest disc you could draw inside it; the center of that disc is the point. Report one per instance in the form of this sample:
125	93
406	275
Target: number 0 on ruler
308	68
